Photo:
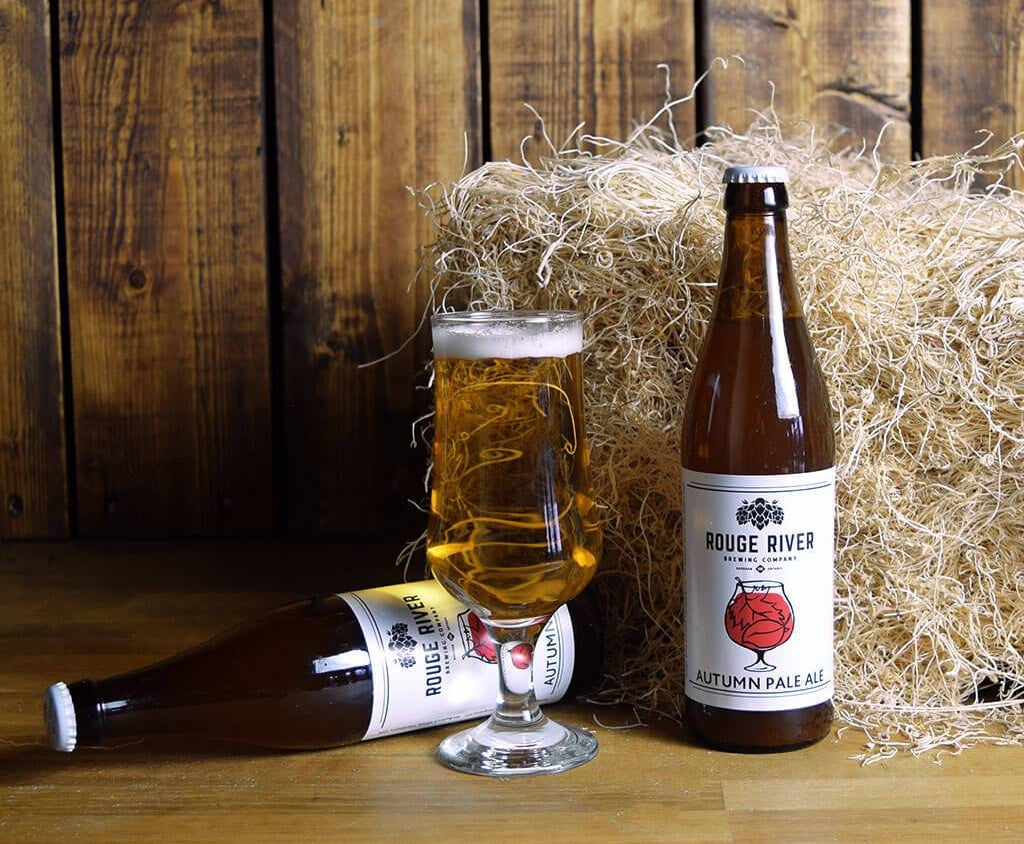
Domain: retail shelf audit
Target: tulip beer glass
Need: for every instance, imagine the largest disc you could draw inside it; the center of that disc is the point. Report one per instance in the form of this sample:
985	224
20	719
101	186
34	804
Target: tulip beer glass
513	529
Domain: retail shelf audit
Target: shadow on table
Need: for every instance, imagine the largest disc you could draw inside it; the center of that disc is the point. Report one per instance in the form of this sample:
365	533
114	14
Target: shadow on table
27	762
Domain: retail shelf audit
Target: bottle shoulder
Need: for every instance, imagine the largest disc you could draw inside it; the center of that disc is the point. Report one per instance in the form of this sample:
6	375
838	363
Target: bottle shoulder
757	402
280	647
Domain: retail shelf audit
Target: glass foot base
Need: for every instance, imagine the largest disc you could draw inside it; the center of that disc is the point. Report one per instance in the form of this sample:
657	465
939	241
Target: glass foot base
495	750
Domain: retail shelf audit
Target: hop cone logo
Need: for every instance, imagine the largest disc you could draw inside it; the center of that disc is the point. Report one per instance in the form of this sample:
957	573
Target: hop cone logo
759	512
402	645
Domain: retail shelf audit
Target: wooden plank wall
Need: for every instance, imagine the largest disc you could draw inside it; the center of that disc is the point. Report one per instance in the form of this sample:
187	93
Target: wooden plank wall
33	497
584	61
972	73
213	193
167	270
836	63
372	96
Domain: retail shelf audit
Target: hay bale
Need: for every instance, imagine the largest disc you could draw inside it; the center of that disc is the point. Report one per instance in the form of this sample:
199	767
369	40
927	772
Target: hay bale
914	290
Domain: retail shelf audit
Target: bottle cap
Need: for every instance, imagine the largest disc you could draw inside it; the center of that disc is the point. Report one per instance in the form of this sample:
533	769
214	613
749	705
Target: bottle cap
769	173
59	713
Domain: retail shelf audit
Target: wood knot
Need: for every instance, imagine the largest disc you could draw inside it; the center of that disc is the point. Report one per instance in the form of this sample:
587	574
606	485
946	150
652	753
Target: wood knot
336	342
15	506
137	278
343	325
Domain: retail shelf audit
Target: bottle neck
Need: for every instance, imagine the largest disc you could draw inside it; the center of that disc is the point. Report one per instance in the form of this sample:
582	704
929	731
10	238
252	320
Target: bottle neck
756	279
109	709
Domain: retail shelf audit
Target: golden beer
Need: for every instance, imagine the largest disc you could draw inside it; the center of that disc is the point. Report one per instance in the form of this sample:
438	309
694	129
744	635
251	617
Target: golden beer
513	529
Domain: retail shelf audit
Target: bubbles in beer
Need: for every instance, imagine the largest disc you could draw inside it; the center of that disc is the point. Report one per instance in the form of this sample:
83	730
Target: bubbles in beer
513	526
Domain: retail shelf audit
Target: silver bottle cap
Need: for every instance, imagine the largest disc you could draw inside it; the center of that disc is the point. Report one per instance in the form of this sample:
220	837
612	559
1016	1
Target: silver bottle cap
59	713
769	173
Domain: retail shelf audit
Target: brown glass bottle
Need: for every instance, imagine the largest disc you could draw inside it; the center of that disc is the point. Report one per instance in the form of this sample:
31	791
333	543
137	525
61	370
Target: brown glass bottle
303	676
757	406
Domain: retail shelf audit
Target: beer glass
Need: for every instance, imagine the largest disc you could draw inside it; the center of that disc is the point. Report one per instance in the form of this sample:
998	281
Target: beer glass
513	530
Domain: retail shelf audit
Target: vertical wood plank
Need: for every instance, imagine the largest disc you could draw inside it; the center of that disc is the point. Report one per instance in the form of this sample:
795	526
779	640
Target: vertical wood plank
592	61
373	96
32	467
846	63
167	264
972	67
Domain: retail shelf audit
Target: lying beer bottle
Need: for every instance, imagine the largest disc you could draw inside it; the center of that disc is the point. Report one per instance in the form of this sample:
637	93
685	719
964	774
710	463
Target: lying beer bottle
759	495
327	671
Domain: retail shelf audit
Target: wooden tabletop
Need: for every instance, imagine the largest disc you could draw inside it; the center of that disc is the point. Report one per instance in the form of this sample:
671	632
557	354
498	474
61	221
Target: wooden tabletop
89	610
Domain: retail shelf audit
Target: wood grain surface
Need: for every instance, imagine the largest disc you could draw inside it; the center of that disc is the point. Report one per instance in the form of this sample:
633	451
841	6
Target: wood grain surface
33	498
176	314
584	61
373	96
841	63
972	73
89	610
167	280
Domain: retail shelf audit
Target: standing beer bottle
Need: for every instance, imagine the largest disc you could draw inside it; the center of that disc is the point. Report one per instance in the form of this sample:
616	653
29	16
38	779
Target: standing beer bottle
758	459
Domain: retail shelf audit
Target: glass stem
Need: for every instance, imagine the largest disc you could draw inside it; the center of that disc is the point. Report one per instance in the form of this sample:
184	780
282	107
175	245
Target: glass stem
517	702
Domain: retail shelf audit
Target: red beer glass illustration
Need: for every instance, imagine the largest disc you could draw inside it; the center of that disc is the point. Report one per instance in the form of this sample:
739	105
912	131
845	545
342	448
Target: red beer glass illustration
480	645
759	617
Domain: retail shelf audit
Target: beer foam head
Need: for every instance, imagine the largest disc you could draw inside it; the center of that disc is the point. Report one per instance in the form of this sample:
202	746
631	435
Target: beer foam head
507	334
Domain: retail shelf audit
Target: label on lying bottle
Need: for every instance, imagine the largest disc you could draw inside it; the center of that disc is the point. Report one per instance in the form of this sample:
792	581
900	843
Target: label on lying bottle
434	663
759	561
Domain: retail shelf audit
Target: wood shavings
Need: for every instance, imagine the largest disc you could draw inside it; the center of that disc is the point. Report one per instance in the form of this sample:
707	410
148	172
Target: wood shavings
914	290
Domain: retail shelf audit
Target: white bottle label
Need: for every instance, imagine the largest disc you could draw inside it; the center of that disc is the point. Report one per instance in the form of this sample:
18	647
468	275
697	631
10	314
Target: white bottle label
433	662
759	561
